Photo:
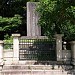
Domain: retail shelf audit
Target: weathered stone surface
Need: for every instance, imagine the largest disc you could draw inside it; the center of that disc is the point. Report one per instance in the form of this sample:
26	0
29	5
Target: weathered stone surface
33	70
15	47
1	52
32	19
59	46
73	52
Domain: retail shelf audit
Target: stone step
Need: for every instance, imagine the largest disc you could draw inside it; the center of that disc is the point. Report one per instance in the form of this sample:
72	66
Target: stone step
38	62
37	67
19	69
31	67
35	72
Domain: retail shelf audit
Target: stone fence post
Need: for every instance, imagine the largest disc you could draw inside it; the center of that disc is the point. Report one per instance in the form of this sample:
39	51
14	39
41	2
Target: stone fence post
59	46
15	47
1	55
73	52
1	52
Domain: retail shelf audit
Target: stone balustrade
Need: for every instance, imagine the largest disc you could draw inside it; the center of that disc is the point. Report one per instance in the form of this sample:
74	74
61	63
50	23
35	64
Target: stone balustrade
13	55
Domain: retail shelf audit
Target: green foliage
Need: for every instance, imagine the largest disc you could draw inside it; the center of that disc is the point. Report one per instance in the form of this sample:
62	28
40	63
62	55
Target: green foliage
8	42
9	24
57	17
34	0
9	8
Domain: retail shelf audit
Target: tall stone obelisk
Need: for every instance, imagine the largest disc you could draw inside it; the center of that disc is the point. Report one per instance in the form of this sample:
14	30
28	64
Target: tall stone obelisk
32	19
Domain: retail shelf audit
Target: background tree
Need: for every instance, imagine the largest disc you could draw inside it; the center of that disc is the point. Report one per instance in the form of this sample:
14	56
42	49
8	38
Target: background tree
57	16
9	21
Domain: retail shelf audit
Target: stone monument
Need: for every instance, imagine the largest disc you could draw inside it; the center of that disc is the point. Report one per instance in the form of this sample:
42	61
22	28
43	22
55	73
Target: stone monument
32	19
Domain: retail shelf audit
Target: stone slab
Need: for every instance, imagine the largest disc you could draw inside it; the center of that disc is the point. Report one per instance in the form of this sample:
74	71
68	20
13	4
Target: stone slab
32	19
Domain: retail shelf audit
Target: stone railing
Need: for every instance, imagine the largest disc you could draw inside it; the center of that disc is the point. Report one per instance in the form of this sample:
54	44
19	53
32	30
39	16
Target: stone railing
13	56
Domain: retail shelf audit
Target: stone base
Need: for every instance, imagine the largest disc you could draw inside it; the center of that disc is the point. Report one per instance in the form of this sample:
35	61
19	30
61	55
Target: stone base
1	67
59	59
15	61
